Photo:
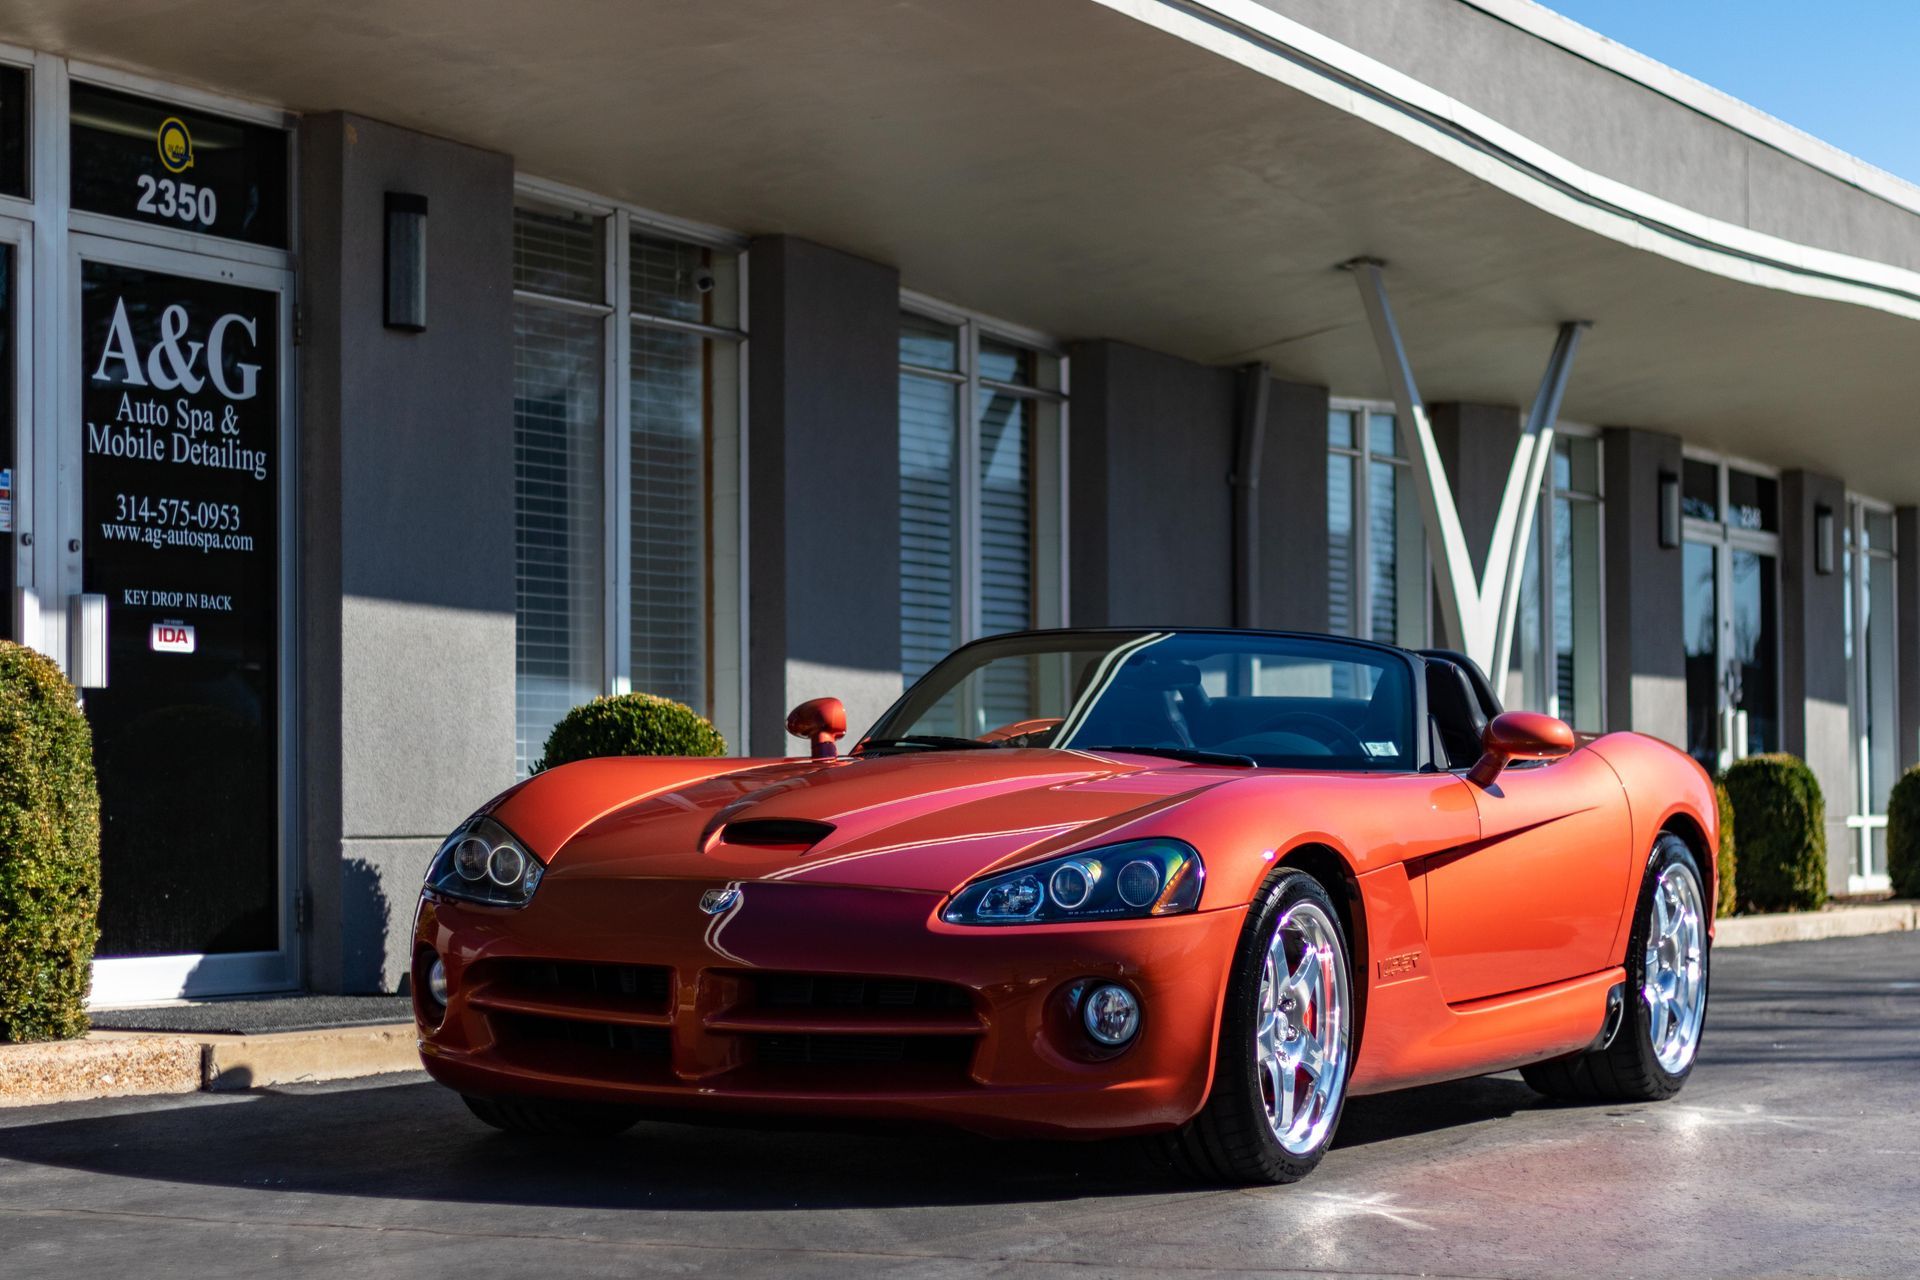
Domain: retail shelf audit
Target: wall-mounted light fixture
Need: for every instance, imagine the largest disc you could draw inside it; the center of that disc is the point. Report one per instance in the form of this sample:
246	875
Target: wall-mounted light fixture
406	262
1669	510
1823	539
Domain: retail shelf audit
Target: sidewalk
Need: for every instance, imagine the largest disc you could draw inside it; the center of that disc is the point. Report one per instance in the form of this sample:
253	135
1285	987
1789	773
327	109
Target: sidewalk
1835	920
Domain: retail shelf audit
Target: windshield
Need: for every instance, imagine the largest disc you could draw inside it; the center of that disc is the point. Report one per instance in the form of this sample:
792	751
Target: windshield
1284	701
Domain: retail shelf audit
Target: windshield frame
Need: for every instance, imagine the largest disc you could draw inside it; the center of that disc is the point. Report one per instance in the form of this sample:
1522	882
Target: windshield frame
905	710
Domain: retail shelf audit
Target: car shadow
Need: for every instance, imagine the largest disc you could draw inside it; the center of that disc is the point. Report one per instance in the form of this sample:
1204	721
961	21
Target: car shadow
416	1141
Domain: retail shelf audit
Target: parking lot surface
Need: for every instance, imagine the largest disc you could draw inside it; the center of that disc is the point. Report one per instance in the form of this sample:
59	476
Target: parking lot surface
1792	1151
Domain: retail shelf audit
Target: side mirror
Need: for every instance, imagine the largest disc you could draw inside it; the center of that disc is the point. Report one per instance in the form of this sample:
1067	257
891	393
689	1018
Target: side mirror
822	722
1519	735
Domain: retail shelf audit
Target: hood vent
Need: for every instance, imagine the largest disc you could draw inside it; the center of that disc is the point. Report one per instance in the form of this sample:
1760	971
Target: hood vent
776	833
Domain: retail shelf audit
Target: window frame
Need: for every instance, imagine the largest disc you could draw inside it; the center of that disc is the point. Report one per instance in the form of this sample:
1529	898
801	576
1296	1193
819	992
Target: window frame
1049	514
1360	574
1546	522
618	222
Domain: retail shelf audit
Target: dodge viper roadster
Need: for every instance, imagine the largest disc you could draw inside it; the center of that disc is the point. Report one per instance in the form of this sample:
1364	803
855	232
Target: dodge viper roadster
1197	884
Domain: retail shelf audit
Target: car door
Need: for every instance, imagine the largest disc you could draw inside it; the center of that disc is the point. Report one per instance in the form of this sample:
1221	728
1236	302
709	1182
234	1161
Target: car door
1537	899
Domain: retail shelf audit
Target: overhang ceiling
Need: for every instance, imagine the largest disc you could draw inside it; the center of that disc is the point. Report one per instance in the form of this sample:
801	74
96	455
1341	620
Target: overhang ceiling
1072	168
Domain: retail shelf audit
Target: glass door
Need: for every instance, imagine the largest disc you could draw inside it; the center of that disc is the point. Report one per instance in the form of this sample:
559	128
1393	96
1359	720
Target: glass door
1730	612
174	507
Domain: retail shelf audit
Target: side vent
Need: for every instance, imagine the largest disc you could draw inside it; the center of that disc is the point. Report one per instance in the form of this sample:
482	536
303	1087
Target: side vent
776	833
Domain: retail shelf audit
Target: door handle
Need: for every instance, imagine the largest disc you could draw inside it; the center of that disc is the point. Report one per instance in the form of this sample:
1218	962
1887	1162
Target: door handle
87	641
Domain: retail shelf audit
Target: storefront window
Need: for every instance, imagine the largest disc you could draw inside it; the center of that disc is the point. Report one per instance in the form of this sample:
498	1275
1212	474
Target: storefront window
1731	613
13	131
1873	707
627	494
981	417
1377	547
1559	631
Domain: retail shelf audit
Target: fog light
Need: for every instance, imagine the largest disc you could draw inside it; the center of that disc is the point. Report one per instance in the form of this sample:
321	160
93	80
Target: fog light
1110	1014
437	982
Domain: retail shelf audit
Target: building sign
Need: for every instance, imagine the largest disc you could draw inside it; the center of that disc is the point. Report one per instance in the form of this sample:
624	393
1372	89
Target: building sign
180	419
162	164
13	131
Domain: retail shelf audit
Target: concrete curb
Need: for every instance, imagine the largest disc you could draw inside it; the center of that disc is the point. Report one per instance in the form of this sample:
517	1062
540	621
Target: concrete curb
1850	921
120	1064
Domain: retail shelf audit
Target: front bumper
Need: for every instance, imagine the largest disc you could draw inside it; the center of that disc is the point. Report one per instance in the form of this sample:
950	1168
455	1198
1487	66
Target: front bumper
816	1000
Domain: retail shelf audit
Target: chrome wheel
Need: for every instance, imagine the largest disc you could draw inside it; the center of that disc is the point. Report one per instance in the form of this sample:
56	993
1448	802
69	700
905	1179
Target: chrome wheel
1673	976
1302	1032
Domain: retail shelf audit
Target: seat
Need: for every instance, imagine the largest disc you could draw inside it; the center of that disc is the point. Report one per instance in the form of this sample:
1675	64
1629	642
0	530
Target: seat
1454	709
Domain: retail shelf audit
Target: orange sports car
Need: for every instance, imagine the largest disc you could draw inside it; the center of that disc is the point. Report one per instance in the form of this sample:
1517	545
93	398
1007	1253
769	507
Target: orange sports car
1200	884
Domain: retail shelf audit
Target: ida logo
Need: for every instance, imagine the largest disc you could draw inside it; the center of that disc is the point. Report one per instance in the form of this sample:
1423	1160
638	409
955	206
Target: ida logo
171	637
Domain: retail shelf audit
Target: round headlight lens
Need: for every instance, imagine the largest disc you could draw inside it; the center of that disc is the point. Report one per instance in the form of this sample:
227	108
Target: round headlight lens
470	858
1111	1014
437	982
1138	883
1072	884
504	868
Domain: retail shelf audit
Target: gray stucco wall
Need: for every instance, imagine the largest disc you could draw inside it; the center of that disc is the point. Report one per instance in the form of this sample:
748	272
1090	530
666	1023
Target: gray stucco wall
824	485
1149	506
1293	510
1614	125
1813	655
1646	654
407	554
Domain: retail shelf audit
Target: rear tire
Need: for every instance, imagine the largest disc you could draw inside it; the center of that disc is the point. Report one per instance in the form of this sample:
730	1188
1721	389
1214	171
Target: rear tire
1658	1040
547	1118
1286	1044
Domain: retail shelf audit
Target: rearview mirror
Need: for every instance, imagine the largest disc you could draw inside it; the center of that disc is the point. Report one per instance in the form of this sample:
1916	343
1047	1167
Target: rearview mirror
822	722
1519	735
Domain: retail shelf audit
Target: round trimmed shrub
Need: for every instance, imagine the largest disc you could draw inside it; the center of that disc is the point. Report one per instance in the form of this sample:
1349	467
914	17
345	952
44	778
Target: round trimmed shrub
630	724
1727	900
1782	820
1903	835
49	851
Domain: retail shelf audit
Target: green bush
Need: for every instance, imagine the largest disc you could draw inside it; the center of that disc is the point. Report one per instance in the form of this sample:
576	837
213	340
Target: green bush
49	851
1782	820
630	724
1727	900
1903	835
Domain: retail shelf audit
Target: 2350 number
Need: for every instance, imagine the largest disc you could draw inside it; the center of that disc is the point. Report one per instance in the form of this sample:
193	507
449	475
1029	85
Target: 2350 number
184	201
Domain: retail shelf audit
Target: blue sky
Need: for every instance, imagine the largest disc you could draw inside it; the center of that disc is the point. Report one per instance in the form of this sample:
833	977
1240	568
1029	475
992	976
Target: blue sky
1842	70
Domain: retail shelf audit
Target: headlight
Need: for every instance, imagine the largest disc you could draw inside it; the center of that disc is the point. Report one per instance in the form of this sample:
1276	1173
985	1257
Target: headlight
1158	877
482	862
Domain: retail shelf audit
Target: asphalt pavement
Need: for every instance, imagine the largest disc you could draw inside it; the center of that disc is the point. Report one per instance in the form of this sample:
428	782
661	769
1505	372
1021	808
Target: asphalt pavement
1791	1152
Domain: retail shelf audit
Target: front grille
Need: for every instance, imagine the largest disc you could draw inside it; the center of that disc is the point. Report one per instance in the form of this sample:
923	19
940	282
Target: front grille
844	994
862	1051
529	1029
644	986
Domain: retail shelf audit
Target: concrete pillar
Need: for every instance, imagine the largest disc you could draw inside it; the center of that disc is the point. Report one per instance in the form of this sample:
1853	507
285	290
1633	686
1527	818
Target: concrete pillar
406	555
1813	661
1476	443
1906	592
1149	508
1646	653
1293	510
823	448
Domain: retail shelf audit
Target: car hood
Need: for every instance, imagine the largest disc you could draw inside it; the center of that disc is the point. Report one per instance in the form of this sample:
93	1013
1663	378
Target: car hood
924	821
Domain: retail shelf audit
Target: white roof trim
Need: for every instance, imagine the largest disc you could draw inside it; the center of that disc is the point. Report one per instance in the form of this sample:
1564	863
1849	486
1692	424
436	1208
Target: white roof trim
1308	62
1558	29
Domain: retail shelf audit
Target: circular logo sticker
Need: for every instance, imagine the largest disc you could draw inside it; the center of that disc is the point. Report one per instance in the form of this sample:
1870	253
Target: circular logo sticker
176	145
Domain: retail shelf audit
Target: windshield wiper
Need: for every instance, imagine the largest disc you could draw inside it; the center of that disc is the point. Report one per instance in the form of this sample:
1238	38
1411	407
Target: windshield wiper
1192	755
927	742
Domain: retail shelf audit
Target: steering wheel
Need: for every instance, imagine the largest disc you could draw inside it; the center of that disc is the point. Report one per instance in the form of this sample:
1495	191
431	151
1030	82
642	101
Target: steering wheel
1332	734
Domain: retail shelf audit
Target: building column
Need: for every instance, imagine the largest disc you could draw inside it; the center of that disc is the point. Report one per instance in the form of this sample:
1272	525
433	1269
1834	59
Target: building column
1293	510
1644	589
1906	592
823	446
1814	722
406	550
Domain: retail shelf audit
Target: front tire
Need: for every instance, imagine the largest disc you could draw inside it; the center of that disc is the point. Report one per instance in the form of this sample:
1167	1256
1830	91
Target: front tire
547	1118
1654	1050
1286	1043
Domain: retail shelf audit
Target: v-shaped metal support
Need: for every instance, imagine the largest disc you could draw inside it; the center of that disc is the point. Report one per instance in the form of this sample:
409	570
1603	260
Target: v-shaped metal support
1478	616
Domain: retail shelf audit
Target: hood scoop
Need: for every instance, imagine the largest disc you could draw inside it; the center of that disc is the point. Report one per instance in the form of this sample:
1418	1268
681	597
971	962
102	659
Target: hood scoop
795	835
